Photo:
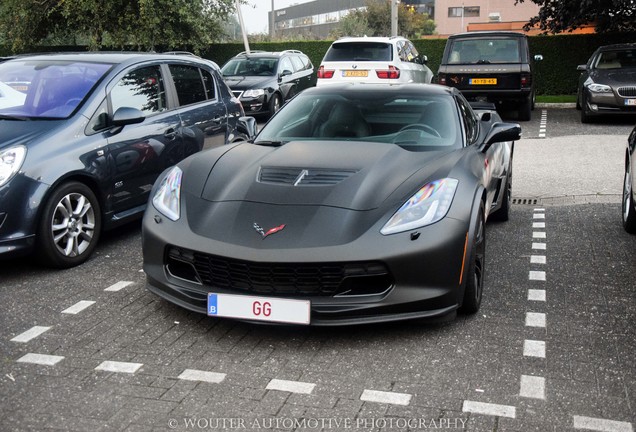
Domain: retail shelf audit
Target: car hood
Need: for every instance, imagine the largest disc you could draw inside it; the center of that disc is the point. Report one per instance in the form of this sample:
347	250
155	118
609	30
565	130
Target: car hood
249	82
348	175
614	76
14	132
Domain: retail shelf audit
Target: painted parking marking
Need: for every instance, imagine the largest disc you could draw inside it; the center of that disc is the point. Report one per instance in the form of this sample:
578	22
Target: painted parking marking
41	359
534	348
536	275
489	409
538	235
602	425
120	367
30	334
537	259
532	387
291	386
538	225
205	376
538	216
536	295
543	124
386	397
78	307
535	319
118	286
539	246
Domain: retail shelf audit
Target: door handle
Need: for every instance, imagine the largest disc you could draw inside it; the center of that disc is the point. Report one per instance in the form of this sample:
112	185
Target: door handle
170	134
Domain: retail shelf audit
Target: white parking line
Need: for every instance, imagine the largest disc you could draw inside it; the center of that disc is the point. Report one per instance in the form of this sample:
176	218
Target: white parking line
32	333
538	216
118	286
41	359
538	235
602	425
536	295
539	246
120	367
538	225
537	259
386	397
535	319
489	409
532	387
536	275
291	386
533	348
198	375
78	307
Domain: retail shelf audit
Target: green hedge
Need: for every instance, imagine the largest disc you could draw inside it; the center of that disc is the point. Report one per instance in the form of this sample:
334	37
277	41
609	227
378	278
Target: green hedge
556	74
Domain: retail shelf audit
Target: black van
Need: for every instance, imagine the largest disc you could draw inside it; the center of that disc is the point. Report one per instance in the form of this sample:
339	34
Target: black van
490	65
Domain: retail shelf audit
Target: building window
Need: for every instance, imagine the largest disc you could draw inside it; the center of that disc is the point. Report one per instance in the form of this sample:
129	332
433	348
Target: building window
469	11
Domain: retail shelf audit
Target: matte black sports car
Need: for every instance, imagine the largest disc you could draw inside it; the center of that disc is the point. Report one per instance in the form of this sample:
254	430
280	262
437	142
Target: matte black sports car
354	204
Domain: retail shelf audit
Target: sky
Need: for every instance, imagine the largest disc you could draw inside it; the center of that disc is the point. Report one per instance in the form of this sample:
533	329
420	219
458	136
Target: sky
255	13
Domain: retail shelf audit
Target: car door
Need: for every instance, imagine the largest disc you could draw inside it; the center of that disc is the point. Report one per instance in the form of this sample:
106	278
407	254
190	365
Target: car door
204	116
286	77
303	75
138	153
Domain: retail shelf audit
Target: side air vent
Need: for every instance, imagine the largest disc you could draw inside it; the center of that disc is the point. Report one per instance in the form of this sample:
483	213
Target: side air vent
303	177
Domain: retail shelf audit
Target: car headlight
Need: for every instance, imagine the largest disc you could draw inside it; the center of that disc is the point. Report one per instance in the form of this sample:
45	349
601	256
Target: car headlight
167	198
429	205
11	160
599	88
254	93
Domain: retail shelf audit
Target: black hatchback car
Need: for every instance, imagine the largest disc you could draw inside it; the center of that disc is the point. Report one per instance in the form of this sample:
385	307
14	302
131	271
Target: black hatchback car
84	136
263	81
493	66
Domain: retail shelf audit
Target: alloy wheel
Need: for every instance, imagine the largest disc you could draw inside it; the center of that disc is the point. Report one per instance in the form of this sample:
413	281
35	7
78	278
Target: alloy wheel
73	224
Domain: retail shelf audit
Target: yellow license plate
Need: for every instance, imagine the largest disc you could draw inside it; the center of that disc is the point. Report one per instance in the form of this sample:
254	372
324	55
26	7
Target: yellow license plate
483	81
355	73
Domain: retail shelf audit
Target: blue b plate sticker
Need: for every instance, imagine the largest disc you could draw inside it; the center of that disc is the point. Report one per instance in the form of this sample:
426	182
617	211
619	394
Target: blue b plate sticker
212	304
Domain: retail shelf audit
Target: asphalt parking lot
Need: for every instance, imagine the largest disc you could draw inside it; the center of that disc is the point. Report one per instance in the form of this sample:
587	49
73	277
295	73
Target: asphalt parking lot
552	349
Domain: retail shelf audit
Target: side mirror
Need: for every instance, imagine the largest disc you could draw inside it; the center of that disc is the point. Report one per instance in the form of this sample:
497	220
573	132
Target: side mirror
502	132
581	68
247	126
127	116
538	57
284	73
422	59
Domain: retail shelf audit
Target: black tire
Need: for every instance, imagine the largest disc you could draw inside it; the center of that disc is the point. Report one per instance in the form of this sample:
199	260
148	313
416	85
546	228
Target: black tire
578	103
274	104
525	109
534	100
69	227
586	117
476	268
629	206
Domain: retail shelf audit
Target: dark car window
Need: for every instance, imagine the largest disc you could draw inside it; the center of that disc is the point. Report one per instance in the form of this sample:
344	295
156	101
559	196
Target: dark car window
471	124
616	59
361	51
142	89
46	88
285	64
298	64
415	122
252	66
306	62
189	84
490	50
208	81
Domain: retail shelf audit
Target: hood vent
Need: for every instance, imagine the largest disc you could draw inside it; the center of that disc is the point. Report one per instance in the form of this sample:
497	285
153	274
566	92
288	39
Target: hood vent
303	177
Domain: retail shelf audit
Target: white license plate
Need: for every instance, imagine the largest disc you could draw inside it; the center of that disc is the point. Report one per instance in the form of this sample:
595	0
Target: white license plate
259	308
630	102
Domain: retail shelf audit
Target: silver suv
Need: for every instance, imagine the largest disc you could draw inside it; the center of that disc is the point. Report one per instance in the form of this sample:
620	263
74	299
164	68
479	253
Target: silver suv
376	60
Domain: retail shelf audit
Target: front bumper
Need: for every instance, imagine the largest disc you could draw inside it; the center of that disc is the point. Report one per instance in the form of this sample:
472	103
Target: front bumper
609	103
423	275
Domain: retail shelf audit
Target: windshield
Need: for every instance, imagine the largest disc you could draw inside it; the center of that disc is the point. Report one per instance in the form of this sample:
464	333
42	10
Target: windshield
359	51
413	121
250	67
479	51
617	59
46	88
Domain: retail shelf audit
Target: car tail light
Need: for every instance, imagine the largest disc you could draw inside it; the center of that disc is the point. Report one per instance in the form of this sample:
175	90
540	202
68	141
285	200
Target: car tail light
441	79
391	73
526	80
322	73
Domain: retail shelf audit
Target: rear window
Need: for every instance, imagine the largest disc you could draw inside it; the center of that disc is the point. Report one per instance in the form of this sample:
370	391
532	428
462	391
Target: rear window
484	51
360	51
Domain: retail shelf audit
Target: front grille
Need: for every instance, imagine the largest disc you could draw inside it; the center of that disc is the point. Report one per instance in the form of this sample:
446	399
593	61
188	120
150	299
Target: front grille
312	279
627	91
303	177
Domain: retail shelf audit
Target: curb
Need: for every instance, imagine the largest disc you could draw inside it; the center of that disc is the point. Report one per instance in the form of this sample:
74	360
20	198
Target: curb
555	105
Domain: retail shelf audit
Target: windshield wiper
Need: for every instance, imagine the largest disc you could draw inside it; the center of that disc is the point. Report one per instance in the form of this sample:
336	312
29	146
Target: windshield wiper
11	117
270	143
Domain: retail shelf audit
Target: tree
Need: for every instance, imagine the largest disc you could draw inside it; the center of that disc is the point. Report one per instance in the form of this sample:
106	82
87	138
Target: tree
557	16
143	24
354	24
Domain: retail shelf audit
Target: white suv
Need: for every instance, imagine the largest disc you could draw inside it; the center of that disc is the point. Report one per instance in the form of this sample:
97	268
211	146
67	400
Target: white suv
378	60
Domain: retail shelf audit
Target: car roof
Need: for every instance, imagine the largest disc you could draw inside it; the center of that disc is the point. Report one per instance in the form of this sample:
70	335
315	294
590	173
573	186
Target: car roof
272	54
380	89
369	39
118	57
617	46
478	34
